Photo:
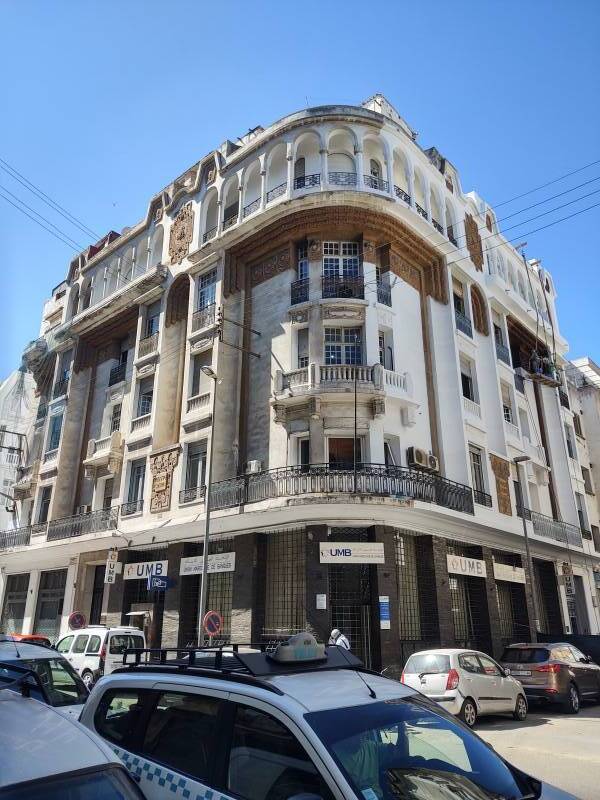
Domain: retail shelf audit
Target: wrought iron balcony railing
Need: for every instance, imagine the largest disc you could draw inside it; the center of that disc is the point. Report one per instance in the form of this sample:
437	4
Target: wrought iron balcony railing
370	479
555	529
299	291
273	194
117	374
564	398
421	211
209	234
19	537
437	225
203	318
384	294
351	287
343	178
503	353
78	525
251	207
372	182
192	494
463	323
60	387
482	498
133	507
401	194
148	345
307	181
227	223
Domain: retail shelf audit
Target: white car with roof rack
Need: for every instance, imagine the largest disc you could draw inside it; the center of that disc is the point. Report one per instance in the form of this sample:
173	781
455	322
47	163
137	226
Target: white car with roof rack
305	721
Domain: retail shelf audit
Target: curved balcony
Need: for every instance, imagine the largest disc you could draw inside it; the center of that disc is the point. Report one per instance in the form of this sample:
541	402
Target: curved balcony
345	288
79	524
378	480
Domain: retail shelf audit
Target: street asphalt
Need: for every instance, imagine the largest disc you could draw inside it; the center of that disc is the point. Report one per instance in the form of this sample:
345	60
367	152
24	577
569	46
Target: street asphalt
561	749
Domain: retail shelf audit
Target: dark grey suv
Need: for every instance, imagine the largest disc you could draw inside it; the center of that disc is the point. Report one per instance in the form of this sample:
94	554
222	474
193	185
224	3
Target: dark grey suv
554	673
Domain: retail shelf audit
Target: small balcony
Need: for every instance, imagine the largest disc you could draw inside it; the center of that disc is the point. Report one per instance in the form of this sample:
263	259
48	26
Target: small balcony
60	387
198	403
384	294
133	507
50	455
421	211
26	479
148	345
511	429
80	524
482	498
299	292
117	374
371	182
343	178
376	480
192	495
336	375
251	207
105	451
401	194
203	318
463	323
346	288
209	234
471	407
559	531
42	413
140	423
278	191
19	537
307	181
564	398
503	354
437	225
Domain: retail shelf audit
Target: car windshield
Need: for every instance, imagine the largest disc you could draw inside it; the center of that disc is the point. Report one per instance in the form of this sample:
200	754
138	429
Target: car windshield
62	684
119	642
111	783
525	655
405	750
427	662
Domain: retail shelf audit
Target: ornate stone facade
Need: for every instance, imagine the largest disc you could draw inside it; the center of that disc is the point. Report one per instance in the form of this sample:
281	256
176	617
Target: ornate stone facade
474	241
161	467
501	470
180	237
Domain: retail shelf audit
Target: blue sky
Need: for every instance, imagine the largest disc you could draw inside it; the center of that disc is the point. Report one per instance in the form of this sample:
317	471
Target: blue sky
103	103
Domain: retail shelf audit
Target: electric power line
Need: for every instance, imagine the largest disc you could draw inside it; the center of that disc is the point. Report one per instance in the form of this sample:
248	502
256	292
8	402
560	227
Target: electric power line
543	186
37	222
33	211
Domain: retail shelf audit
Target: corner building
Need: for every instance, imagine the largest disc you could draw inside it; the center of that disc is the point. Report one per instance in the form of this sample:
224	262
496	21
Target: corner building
383	355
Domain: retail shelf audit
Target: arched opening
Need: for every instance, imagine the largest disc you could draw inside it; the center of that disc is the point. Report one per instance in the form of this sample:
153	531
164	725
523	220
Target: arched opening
210	208
521	286
420	202
276	172
436	211
86	294
307	163
341	163
501	267
73	305
252	189
375	176
156	247
231	202
111	277
512	278
451	224
401	173
141	252
480	315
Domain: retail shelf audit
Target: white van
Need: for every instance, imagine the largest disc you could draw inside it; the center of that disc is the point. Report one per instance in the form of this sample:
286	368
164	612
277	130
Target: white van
97	650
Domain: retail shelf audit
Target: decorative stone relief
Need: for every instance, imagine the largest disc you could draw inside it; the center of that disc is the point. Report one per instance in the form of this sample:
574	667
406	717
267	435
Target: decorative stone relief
314	249
147	369
378	407
274	265
480	317
279	413
201	344
369	251
211	176
161	467
335	311
501	470
180	237
449	184
299	316
474	241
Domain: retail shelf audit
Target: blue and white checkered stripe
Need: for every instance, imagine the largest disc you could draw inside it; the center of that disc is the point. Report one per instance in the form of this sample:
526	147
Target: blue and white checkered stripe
176	785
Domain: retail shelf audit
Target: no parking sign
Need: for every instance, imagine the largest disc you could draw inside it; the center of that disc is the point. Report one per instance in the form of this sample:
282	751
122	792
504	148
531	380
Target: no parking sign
212	623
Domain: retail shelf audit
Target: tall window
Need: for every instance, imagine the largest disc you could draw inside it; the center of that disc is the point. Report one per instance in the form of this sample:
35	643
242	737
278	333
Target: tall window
498	334
300	167
476	468
115	418
64	372
581	513
196	465
152	319
302	262
507	404
200	381
136	480
206	289
381	339
55	429
587	480
375	168
341	260
302	348
44	504
303	451
107	493
466	377
458	297
577	425
145	396
570	442
343	346
524	423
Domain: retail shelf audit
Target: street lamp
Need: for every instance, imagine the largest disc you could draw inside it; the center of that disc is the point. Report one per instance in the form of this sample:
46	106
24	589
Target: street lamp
536	621
203	586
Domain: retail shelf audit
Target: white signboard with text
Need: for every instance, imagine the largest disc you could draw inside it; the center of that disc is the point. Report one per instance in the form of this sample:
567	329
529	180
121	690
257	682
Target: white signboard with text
460	565
352	553
217	562
505	572
141	570
110	572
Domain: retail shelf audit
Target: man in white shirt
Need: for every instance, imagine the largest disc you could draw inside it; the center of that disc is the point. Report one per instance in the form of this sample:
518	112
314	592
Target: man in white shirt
338	638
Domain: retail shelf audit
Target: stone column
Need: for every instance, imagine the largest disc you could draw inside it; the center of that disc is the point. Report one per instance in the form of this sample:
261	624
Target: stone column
68	596
444	600
492	602
388	587
324	169
30	603
244	589
360	179
318	620
172	605
290	169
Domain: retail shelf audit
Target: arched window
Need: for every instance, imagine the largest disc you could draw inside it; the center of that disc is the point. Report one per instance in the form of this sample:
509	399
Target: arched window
480	316
300	167
375	169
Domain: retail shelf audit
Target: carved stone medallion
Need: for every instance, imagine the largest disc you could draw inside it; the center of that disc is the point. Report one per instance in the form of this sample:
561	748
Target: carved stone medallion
181	234
474	241
501	470
162	466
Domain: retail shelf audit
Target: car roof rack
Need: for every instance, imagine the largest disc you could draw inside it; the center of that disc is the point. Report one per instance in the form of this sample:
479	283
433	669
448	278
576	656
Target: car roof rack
228	662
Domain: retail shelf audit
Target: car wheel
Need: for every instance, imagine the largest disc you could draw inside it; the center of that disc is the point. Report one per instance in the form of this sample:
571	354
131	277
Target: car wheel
468	712
88	679
572	704
520	712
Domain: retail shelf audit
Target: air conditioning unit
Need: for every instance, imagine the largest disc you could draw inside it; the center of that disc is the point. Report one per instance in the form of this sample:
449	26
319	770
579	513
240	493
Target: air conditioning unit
418	458
83	509
434	464
253	466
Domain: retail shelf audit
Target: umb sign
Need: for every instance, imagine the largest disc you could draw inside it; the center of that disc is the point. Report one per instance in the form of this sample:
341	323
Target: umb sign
460	565
110	571
352	553
143	569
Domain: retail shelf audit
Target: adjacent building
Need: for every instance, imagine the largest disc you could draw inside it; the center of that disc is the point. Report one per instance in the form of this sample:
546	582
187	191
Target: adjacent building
380	356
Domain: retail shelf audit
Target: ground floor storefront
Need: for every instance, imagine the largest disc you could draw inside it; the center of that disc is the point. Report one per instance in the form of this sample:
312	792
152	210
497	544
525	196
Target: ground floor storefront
391	591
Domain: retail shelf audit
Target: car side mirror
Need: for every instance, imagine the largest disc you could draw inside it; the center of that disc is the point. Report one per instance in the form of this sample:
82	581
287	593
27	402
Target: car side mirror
585	659
506	671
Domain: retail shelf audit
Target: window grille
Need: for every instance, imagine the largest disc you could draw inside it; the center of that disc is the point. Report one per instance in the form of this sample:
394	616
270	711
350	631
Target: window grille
13	612
49	606
469	603
206	289
115	418
302	263
417	604
285	583
476	468
343	346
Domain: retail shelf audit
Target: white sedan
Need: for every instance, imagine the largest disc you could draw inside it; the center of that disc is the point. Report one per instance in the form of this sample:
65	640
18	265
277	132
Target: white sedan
466	683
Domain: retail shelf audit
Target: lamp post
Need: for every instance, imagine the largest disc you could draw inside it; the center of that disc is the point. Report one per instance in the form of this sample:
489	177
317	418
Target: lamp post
203	586
536	621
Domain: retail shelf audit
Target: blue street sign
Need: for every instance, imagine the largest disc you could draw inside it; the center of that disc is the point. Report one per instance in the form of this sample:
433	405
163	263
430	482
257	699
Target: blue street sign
160	583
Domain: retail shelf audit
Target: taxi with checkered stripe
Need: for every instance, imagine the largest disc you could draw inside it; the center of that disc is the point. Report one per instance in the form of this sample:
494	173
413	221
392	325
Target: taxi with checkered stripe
301	722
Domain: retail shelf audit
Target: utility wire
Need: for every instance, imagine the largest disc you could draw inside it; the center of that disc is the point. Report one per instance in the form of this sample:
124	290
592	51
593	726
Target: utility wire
547	200
46	198
543	185
33	211
50	231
